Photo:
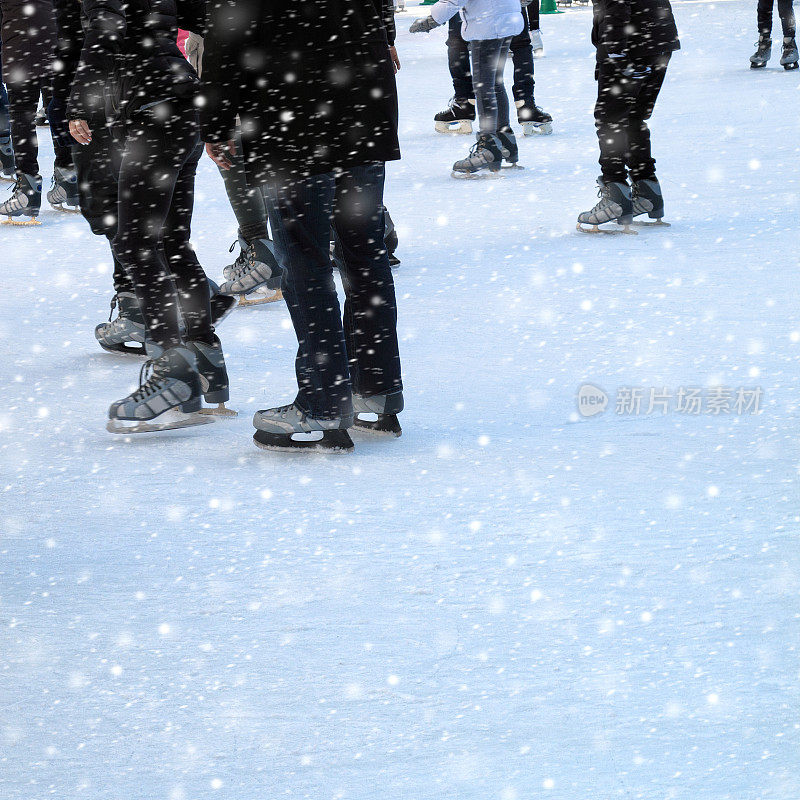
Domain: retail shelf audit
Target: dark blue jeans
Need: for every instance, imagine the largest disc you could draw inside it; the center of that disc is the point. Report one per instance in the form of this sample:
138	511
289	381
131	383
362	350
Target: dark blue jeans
336	357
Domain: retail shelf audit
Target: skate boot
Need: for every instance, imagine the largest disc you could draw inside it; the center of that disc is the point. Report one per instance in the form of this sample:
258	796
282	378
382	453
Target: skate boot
508	146
213	376
790	57
648	199
25	201
378	413
533	119
457	117
615	206
7	171
288	428
63	194
169	396
255	276
485	155
390	239
762	54
125	334
537	44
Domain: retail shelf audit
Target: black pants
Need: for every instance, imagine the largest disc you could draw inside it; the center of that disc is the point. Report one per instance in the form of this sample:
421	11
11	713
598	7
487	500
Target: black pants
97	165
620	114
23	102
521	56
765	17
156	199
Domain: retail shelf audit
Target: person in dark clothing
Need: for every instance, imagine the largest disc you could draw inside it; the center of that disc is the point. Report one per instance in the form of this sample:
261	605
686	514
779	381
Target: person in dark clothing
458	116
29	42
319	121
634	42
7	171
152	89
789	55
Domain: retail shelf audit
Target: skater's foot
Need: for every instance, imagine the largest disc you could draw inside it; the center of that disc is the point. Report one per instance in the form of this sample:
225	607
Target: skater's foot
288	428
789	57
377	413
258	270
508	145
63	194
457	117
534	120
125	334
615	205
762	54
25	202
213	376
7	170
647	199
41	118
485	156
169	396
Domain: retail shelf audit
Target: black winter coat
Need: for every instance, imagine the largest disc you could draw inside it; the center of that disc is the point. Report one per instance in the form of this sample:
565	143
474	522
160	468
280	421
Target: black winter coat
130	54
642	30
312	82
29	41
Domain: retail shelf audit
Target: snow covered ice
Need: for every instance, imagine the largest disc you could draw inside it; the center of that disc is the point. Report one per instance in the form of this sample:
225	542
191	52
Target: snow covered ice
511	601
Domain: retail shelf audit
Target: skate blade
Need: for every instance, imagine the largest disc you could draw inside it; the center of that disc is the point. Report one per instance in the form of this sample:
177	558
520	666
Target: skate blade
256	299
537	129
625	229
757	66
482	175
383	425
64	209
20	223
512	167
7	179
790	67
168	421
221	410
337	441
122	350
460	128
655	223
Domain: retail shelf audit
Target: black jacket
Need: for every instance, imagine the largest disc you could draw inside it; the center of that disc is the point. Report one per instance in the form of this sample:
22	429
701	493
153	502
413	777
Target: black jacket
642	30
29	40
312	83
130	54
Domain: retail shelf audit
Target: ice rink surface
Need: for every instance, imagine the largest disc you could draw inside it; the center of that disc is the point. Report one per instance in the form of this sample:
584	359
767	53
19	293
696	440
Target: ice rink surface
511	601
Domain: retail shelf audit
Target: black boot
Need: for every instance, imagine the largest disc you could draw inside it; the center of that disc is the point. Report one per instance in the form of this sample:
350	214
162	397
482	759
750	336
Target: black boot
213	375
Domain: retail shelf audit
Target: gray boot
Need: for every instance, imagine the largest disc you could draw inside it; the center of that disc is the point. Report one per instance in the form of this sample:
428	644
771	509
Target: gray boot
384	407
63	194
648	199
126	333
486	154
762	54
789	57
615	206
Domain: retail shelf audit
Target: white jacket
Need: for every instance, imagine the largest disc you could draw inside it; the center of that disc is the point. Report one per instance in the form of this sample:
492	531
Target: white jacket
482	19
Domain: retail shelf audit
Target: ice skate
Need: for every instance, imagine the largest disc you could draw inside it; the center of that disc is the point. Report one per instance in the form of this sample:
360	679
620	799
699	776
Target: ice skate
255	275
509	147
213	377
647	199
125	334
537	44
534	120
457	117
762	54
790	56
41	117
23	206
7	170
485	159
63	194
615	206
289	429
377	414
169	396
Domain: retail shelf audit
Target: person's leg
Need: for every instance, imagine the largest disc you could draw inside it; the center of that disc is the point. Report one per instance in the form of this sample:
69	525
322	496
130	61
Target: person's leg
533	15
300	218
5	121
640	160
499	84
786	12
611	120
522	58
484	68
764	14
22	100
370	310
458	61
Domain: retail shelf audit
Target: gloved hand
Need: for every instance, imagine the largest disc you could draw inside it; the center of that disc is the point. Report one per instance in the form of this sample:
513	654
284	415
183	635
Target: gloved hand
423	24
59	128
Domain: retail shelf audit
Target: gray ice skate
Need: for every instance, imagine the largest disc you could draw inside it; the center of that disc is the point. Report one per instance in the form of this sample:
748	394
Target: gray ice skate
213	376
7	171
288	428
484	159
378	413
648	199
63	194
762	54
23	206
255	276
126	333
789	57
615	206
169	396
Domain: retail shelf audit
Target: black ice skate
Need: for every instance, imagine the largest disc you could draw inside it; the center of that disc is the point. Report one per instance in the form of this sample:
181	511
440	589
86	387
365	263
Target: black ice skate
534	120
213	377
288	429
378	413
457	117
169	396
63	194
648	199
125	334
790	57
7	170
615	206
255	275
484	159
509	147
762	54
23	206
